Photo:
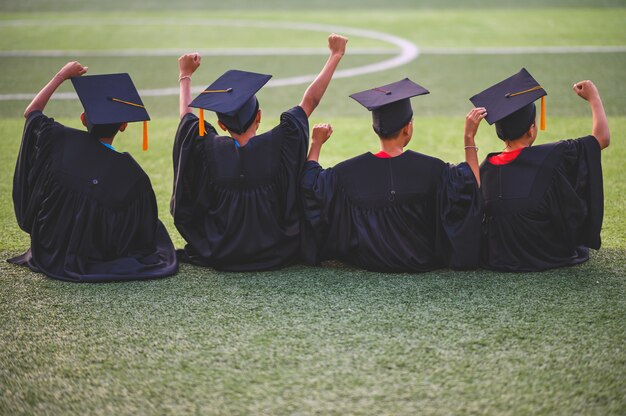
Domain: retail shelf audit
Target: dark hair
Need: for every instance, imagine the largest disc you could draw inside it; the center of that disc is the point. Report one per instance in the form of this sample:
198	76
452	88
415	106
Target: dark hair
513	126
388	136
104	130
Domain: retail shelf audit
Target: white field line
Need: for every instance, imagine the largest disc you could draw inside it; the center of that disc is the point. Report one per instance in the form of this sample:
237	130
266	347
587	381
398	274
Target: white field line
407	51
177	52
521	50
165	52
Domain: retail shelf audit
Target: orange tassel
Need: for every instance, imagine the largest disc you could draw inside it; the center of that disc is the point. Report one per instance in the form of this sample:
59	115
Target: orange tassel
543	113
201	124
145	135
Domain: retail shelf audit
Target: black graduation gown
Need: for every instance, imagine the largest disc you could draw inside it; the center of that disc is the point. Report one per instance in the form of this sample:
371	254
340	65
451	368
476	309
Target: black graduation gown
410	213
91	212
237	207
544	209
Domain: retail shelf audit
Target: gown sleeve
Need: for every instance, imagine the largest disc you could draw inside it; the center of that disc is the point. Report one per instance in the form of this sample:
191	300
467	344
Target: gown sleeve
318	194
185	167
33	157
294	125
460	216
584	169
294	131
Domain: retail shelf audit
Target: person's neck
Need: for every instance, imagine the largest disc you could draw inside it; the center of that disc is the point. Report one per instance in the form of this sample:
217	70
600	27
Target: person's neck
244	137
393	147
512	145
107	140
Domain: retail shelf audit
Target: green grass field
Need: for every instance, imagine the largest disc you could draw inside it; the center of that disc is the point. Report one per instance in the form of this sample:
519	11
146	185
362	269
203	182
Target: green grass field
334	339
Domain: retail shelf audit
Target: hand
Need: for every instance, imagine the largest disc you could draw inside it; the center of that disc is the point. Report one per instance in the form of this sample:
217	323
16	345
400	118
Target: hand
71	69
473	119
321	133
188	63
587	90
337	44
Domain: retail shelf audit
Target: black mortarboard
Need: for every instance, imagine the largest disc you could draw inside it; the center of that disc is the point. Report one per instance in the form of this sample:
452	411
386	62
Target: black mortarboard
232	97
511	104
111	99
390	105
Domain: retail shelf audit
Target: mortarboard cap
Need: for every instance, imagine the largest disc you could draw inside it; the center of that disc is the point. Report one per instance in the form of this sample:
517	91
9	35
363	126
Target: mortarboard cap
232	97
390	105
111	99
511	104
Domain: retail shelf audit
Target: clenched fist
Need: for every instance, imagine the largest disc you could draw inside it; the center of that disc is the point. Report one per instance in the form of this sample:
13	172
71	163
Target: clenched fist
337	44
71	69
188	63
321	133
586	89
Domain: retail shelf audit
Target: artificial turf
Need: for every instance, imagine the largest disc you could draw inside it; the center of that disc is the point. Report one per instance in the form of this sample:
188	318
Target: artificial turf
332	339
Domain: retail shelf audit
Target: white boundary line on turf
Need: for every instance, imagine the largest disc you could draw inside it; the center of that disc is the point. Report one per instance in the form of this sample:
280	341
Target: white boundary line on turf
522	50
407	51
177	52
164	52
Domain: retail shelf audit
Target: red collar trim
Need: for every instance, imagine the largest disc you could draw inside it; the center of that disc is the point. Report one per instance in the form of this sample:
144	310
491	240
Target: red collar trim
383	155
505	158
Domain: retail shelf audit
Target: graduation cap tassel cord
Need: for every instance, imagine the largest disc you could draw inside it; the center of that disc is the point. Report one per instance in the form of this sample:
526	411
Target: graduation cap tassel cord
382	90
127	102
211	91
202	131
543	113
538	87
145	135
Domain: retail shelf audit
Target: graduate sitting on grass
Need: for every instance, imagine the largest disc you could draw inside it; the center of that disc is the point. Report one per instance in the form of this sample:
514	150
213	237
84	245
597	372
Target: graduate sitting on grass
235	198
395	210
90	211
543	204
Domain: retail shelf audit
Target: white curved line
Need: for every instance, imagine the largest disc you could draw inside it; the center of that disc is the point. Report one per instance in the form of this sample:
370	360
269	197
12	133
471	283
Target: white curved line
130	53
522	50
407	50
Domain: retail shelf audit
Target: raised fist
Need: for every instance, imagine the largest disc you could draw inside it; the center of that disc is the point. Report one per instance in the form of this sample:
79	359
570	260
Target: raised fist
586	89
337	44
71	69
188	63
321	133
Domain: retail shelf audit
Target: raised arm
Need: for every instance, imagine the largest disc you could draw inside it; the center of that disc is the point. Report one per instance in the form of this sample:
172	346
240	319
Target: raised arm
472	121
321	133
187	65
69	70
313	95
600	129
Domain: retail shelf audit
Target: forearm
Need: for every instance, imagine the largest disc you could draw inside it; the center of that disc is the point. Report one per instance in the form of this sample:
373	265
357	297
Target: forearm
314	93
314	152
471	156
42	98
600	128
184	96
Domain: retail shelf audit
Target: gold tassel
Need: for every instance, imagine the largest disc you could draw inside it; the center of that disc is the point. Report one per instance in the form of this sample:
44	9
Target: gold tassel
543	113
145	135
201	124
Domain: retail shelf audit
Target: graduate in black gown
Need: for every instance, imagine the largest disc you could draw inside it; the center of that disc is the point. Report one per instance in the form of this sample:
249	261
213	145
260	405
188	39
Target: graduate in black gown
235	198
396	210
90	211
543	204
